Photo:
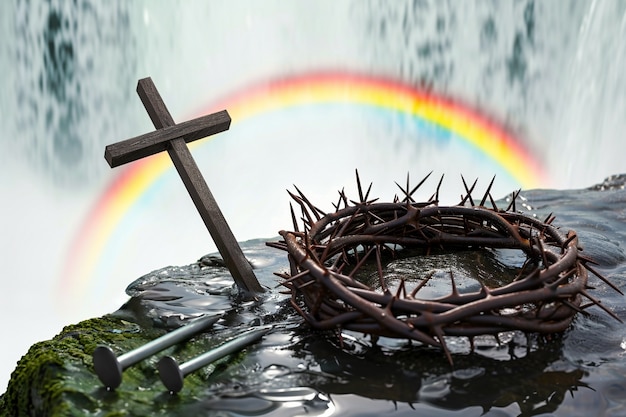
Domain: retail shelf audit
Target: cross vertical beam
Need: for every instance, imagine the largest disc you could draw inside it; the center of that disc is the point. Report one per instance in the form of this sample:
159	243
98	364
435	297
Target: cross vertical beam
173	138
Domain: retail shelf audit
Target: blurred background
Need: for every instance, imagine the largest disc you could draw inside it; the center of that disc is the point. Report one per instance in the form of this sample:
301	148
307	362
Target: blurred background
73	233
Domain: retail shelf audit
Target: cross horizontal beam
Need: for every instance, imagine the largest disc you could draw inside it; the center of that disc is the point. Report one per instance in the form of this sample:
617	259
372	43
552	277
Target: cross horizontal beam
151	143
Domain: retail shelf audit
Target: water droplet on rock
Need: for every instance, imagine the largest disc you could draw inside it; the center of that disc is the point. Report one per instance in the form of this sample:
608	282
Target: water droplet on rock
274	371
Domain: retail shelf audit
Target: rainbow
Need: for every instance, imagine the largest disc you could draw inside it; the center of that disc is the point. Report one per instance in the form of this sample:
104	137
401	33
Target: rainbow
132	186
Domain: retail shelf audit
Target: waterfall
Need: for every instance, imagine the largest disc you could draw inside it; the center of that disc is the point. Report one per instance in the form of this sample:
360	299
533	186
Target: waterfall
552	71
549	72
586	137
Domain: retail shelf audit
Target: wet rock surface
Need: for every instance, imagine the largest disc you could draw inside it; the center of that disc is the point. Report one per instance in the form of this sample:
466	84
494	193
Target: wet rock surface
295	370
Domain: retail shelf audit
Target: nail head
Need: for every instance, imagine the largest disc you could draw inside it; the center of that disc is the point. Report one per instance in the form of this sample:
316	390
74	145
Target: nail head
107	367
170	374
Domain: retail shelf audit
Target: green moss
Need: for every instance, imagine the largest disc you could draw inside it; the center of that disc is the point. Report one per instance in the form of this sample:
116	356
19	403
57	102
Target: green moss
56	377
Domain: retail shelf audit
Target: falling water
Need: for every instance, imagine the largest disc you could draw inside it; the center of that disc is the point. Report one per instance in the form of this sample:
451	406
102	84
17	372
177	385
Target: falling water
551	72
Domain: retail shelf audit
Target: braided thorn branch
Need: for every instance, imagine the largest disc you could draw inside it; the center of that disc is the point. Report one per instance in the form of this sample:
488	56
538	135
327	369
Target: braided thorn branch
327	257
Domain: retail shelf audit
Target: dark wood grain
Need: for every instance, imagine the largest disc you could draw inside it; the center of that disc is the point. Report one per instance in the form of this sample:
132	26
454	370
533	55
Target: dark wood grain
130	150
154	104
174	138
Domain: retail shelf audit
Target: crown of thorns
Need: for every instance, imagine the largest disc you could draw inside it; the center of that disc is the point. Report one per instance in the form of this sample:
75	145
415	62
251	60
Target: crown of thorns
327	255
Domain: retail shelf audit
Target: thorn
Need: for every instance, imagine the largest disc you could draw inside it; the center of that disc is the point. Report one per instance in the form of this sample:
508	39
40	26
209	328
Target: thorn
455	292
358	184
328	245
486	292
438	186
316	212
406	191
306	284
293	218
406	198
482	202
389	306
285	284
549	219
587	259
439	333
401	292
599	304
361	262
511	206
342	196
336	206
346	223
324	255
418	185
409	194
421	284
573	307
469	192
278	245
567	241
603	278
368	192
407	184
289	280
493	203
303	205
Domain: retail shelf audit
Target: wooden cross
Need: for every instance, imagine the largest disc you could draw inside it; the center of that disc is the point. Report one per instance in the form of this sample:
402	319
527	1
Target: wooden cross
173	138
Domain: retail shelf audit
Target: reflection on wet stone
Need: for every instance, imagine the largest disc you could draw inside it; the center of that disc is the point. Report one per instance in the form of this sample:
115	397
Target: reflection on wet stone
274	371
295	368
277	402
